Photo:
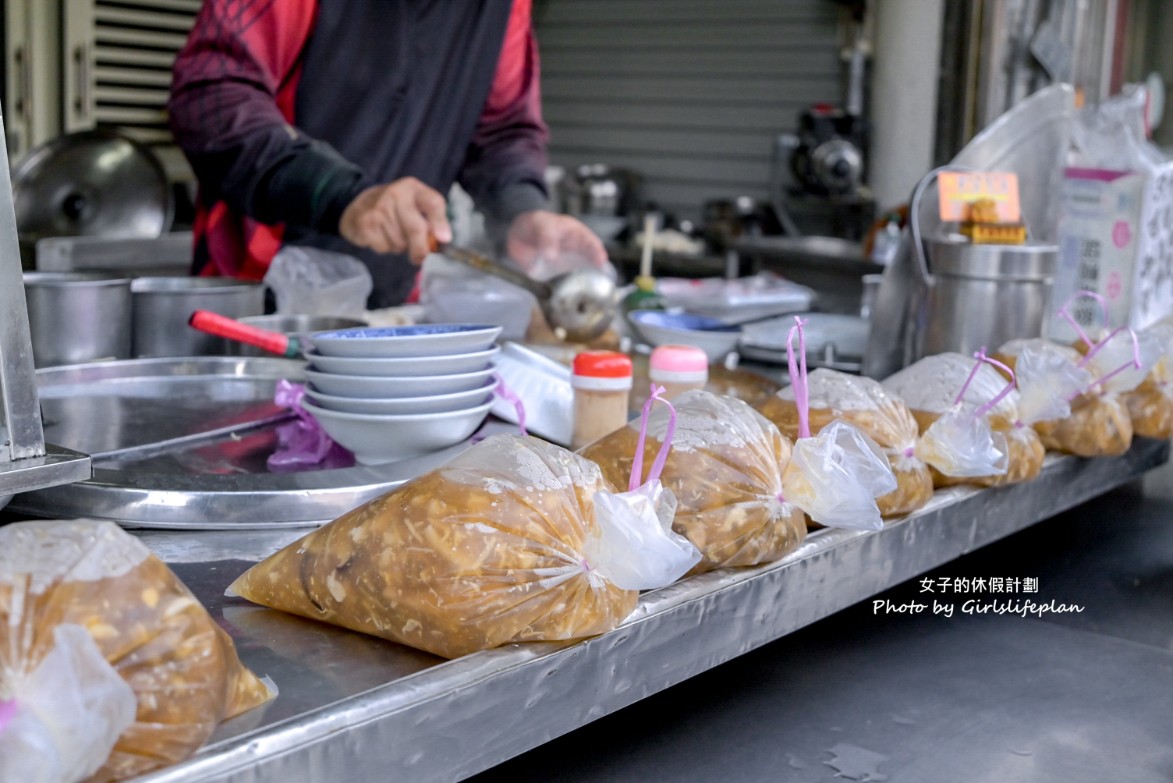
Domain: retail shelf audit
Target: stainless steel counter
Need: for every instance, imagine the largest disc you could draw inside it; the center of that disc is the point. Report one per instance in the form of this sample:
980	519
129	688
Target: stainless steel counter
1074	697
355	707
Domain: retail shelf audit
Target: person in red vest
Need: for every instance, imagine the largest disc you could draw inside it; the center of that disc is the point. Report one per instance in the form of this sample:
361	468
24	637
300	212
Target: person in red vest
338	124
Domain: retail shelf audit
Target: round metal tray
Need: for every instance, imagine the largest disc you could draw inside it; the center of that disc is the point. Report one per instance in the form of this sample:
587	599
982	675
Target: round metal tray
182	443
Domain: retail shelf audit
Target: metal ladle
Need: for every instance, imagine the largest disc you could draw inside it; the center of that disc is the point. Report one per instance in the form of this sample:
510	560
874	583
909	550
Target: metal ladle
579	305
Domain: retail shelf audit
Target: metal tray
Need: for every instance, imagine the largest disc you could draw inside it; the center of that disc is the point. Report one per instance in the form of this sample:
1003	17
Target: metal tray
384	712
182	443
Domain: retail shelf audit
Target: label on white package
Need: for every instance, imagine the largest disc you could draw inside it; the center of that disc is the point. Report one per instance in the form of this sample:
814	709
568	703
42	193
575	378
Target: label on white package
1115	240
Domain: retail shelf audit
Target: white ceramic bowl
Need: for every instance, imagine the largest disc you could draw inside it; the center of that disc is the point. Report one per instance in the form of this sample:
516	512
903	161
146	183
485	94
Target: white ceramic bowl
405	341
401	367
398	406
709	334
375	440
390	387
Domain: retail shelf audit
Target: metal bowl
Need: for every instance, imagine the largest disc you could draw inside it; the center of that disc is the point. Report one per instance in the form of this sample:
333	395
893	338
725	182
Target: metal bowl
77	317
294	325
163	305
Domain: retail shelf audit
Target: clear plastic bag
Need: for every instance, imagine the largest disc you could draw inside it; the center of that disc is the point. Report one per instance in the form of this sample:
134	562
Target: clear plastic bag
1061	401
931	388
725	469
962	445
1150	405
494	547
61	578
1123	359
878	413
452	292
311	281
638	522
1112	135
67	713
836	476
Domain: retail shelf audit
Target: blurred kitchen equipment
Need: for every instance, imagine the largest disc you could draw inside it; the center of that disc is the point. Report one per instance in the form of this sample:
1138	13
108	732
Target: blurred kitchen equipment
579	305
77	317
817	175
871	289
163	305
603	197
169	254
92	183
833	340
834	268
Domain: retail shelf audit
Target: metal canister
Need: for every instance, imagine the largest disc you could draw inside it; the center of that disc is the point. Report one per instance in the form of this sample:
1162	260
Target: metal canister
77	317
984	295
163	305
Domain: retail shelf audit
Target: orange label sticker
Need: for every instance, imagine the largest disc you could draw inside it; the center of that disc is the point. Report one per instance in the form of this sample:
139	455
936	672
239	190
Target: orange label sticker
959	189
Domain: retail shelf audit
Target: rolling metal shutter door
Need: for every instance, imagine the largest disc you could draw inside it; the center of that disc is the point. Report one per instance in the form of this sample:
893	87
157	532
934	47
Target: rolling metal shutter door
690	93
118	59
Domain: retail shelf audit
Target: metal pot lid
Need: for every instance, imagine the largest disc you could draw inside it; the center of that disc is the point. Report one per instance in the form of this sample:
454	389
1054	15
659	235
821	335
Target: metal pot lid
93	183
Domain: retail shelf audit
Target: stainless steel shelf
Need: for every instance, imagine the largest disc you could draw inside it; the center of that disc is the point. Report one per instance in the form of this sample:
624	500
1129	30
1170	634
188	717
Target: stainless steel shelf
384	712
57	466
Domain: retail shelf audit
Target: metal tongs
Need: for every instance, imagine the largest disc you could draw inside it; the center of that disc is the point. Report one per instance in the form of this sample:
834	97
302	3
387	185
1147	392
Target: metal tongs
578	305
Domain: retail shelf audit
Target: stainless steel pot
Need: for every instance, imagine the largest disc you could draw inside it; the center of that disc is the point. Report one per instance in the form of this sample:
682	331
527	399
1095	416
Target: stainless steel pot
984	295
163	305
77	317
294	325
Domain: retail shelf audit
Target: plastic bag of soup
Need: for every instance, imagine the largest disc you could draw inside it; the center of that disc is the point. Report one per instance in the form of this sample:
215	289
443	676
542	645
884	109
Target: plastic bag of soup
109	666
835	476
514	540
1150	404
875	411
968	413
725	469
1064	402
1130	364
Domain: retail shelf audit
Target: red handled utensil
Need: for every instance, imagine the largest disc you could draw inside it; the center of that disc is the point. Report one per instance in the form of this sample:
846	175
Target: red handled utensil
223	326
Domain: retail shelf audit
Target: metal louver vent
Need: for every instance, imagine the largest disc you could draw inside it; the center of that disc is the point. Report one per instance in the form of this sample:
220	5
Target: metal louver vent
127	66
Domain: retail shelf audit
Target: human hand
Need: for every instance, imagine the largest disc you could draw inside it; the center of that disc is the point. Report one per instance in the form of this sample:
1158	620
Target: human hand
546	243
395	218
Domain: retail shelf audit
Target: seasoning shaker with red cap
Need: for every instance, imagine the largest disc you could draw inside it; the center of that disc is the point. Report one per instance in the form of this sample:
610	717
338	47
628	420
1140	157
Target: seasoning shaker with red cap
602	390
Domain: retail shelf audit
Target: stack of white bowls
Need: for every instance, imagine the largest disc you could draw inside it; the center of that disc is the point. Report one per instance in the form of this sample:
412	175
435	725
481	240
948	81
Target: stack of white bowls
393	393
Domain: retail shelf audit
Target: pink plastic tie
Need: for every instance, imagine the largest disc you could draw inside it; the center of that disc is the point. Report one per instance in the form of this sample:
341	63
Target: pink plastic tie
1065	313
503	391
973	374
637	462
981	357
8	710
798	377
1134	362
989	406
